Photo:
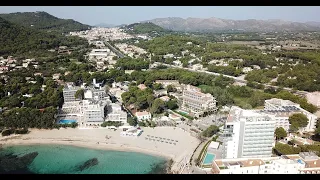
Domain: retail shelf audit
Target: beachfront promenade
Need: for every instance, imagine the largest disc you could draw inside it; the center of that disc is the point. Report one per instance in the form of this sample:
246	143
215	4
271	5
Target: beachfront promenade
173	143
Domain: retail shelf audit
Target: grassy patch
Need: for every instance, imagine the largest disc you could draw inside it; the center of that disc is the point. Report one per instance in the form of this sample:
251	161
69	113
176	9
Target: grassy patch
242	102
259	107
204	88
206	166
183	114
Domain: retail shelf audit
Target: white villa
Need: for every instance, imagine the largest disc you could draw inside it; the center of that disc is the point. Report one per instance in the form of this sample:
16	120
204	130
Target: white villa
144	115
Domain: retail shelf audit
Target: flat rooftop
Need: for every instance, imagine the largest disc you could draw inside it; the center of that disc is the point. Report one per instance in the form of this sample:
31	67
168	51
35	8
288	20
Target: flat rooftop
251	113
286	161
280	102
241	163
71	87
312	163
293	157
236	113
143	113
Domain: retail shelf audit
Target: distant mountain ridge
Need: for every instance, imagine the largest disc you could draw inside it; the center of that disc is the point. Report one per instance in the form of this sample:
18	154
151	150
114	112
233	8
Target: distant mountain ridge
312	23
44	21
217	24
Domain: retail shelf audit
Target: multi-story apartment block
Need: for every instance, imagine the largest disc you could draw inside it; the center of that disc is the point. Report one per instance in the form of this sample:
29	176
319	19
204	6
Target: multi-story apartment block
90	111
99	93
115	113
68	93
96	94
196	101
303	163
93	112
247	133
281	110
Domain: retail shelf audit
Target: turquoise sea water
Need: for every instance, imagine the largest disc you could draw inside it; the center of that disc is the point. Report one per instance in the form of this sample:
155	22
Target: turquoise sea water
62	159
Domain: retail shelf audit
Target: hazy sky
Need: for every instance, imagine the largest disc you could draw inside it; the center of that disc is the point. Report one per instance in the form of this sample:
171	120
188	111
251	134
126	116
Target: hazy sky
129	14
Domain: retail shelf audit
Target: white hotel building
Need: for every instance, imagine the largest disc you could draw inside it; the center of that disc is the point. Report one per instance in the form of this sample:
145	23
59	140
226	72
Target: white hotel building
69	91
93	112
281	110
247	133
90	111
115	113
196	101
99	53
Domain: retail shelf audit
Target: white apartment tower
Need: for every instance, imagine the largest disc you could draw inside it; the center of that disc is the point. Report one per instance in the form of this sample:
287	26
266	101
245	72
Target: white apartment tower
196	101
247	133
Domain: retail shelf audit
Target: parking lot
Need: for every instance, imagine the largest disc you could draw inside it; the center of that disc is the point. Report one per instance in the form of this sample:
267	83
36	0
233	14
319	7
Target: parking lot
205	122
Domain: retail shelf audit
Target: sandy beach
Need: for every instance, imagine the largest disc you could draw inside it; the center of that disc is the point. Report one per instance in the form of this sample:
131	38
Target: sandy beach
106	139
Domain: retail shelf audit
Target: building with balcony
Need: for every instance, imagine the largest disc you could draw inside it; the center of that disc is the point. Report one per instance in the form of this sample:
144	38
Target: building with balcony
247	133
69	91
281	110
94	113
92	110
115	113
197	102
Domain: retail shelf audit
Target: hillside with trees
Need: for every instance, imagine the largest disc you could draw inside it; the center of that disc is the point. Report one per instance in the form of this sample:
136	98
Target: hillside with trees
144	28
128	63
18	40
297	69
44	21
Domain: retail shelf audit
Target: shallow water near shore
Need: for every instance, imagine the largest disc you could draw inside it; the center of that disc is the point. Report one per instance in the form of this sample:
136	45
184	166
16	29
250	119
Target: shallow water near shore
63	159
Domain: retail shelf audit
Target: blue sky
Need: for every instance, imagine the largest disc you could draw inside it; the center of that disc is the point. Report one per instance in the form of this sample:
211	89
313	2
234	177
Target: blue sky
129	14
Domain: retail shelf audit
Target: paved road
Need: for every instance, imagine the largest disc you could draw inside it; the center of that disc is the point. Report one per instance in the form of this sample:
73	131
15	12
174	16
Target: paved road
114	49
237	79
194	169
204	122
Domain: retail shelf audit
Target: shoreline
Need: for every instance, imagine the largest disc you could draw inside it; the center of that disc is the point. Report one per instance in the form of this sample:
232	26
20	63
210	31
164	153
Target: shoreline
103	139
106	147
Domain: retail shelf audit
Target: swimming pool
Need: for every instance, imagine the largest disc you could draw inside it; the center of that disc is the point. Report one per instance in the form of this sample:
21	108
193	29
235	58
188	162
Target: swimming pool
209	158
67	121
183	112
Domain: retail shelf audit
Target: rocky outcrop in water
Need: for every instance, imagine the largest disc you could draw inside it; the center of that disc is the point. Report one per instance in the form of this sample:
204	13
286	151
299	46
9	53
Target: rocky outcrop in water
161	168
87	164
13	163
